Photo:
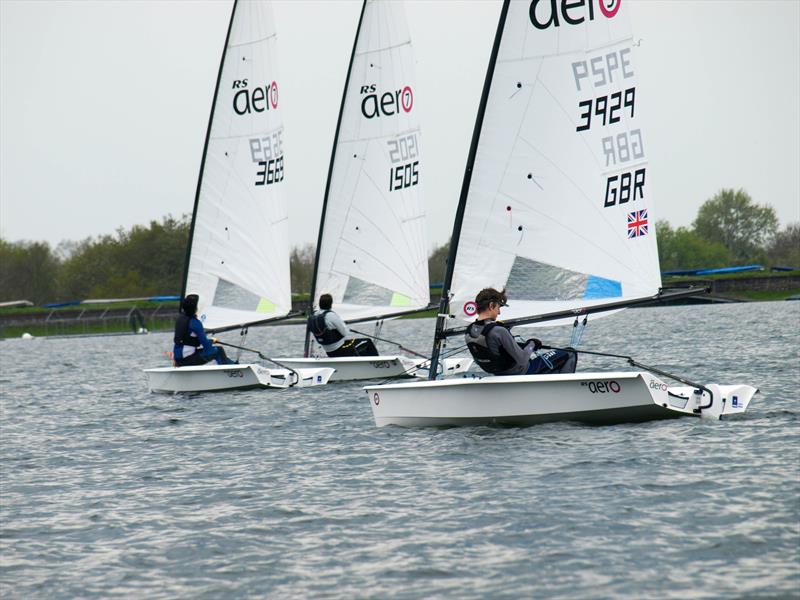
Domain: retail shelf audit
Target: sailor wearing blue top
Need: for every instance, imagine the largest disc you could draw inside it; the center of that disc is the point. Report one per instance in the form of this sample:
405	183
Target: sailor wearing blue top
192	346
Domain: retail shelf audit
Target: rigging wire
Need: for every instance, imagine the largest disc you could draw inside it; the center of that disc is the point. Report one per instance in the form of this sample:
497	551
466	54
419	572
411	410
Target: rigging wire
421	366
634	363
266	358
399	345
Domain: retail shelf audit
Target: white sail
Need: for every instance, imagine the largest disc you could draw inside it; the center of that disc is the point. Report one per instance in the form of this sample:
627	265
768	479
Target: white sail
372	254
559	208
239	262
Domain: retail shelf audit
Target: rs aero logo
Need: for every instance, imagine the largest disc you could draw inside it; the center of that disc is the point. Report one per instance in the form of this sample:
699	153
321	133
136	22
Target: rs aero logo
386	104
470	309
656	385
554	13
602	387
258	99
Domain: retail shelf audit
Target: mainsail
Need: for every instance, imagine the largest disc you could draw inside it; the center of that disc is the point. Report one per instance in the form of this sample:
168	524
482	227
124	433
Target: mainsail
557	202
371	251
238	256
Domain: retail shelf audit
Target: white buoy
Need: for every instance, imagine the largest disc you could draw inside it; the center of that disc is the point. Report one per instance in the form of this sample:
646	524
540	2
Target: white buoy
27	336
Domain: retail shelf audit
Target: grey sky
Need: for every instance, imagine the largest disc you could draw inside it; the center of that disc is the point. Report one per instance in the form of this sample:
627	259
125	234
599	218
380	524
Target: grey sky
104	105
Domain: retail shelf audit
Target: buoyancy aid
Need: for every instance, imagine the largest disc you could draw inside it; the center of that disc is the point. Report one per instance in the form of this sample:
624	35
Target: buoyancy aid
318	327
183	336
479	348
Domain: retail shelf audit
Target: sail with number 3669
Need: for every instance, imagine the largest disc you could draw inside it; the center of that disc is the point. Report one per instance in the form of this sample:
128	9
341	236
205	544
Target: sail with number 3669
237	259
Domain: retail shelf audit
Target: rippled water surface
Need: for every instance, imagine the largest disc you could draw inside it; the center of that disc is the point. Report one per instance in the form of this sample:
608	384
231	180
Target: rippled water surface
110	491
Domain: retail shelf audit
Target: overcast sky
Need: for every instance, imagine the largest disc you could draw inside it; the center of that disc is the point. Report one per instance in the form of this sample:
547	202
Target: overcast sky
104	105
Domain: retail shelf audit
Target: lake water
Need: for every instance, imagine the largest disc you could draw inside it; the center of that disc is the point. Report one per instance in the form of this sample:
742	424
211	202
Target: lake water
110	491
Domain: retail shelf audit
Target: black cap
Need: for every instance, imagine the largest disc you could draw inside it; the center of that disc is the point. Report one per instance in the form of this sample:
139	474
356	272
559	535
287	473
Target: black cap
189	304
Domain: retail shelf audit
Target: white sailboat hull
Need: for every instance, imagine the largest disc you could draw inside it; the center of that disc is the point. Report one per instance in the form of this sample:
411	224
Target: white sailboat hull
356	368
600	398
215	378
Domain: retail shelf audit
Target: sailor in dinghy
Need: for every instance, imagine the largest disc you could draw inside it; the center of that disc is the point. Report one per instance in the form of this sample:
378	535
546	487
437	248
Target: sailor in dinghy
192	345
545	213
332	333
237	259
496	350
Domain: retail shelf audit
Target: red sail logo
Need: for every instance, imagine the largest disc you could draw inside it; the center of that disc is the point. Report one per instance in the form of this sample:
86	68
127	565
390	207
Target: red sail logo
547	13
377	104
258	99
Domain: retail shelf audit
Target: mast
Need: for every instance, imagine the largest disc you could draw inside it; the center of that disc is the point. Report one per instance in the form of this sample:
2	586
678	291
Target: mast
205	151
330	174
441	319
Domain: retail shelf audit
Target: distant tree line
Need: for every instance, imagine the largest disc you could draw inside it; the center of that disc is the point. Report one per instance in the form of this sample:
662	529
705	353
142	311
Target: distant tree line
143	261
730	229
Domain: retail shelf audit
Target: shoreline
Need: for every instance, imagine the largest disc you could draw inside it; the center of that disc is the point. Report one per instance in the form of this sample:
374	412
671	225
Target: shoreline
160	316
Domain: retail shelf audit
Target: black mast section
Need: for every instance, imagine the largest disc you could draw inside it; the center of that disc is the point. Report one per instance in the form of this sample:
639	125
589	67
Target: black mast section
330	173
441	319
205	151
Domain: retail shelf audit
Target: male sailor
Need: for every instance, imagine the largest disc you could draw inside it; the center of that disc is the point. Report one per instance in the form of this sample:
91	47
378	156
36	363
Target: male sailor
192	345
332	333
496	351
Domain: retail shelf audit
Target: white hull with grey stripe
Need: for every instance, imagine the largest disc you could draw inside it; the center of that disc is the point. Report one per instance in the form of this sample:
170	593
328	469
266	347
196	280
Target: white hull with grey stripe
218	378
598	398
359	368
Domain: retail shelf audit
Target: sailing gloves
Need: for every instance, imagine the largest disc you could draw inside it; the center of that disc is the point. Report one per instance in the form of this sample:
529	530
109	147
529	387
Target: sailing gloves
537	343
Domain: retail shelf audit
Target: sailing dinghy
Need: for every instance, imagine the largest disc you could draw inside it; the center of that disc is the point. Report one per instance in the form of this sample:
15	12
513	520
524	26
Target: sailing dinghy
238	254
556	207
371	251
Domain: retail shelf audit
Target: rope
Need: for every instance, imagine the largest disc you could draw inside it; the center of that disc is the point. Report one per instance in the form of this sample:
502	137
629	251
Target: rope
427	361
577	332
380	339
634	363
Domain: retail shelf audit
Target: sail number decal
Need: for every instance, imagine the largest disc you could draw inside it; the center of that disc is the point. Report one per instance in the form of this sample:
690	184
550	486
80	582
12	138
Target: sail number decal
404	171
611	110
606	108
267	153
624	187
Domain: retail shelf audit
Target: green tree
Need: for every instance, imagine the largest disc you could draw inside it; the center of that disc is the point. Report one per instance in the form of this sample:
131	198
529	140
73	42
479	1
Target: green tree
157	253
733	219
682	248
301	265
143	261
28	271
785	248
437	263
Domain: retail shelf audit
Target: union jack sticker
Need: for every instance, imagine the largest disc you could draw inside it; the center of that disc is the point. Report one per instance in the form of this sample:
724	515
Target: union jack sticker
637	223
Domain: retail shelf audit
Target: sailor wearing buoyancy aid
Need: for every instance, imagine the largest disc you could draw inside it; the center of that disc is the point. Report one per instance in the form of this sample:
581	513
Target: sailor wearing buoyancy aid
496	351
332	333
327	327
192	345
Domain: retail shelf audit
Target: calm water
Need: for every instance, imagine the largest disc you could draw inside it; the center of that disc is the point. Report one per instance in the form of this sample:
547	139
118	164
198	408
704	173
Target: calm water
109	491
